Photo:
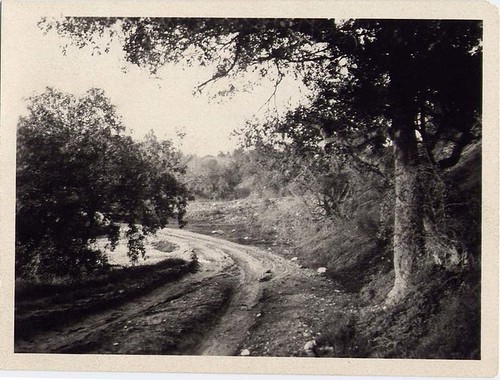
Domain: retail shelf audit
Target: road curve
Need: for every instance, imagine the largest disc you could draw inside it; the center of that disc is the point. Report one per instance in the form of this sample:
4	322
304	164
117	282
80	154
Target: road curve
136	326
256	269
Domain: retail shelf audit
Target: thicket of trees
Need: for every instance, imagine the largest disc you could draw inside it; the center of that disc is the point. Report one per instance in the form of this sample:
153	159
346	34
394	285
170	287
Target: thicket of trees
79	176
410	86
213	177
239	174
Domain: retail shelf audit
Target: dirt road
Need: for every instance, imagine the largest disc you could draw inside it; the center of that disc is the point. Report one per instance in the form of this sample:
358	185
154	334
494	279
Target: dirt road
240	298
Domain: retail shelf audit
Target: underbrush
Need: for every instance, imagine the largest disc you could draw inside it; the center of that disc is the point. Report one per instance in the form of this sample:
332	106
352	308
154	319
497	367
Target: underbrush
352	250
340	337
41	305
438	319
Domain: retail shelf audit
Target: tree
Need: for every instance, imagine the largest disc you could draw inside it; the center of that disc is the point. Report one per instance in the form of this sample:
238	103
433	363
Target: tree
79	176
413	85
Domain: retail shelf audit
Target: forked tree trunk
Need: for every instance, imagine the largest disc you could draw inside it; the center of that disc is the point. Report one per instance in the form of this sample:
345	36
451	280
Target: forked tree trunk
409	241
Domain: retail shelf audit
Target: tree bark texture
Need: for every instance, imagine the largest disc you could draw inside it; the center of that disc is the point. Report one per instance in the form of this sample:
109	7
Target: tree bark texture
409	240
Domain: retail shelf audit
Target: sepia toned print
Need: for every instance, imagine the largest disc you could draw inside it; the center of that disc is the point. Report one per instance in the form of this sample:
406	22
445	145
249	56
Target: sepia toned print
272	187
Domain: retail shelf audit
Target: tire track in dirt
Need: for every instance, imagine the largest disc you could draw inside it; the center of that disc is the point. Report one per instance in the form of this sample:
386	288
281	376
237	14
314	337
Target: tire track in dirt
136	326
257	268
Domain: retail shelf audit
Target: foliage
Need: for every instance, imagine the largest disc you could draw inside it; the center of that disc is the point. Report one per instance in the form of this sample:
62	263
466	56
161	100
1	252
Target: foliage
79	176
213	177
365	74
236	175
340	340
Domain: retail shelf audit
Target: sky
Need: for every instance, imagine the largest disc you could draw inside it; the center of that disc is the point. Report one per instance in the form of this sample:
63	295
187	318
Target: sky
165	105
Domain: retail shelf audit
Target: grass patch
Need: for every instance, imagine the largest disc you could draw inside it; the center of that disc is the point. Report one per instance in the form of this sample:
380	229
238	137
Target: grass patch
439	319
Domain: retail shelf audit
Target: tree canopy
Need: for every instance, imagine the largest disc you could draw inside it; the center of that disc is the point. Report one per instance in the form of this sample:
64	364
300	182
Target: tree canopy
364	73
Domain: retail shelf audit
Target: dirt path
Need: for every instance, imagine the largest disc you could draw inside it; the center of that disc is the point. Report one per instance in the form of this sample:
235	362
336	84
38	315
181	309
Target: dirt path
241	297
256	268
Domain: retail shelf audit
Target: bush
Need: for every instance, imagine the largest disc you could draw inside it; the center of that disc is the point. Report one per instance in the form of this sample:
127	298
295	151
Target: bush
454	329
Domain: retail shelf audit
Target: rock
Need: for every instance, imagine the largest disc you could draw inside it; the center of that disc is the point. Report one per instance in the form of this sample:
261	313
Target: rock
310	345
233	230
309	348
115	344
336	290
294	258
258	315
266	277
321	270
246	238
245	352
327	350
306	334
217	232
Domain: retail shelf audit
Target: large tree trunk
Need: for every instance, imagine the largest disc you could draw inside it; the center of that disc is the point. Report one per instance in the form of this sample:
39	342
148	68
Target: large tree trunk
408	222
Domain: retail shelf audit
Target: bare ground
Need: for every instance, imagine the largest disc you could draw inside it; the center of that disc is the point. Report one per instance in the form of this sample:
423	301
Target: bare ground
242	299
